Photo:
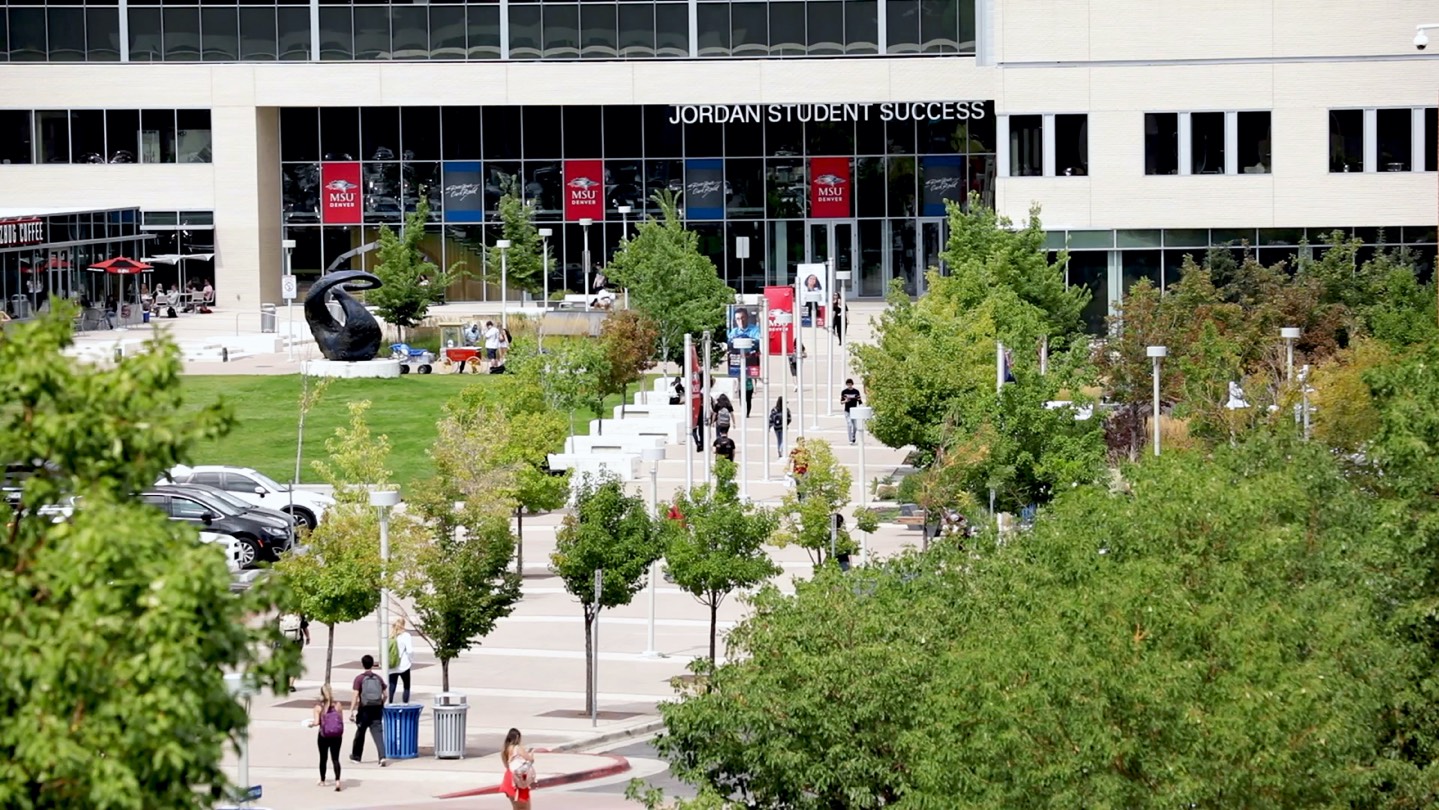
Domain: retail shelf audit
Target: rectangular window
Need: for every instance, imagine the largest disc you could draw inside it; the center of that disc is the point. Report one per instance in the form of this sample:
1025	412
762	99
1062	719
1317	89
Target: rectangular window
712	24
749	23
484	30
598	31
637	30
219	34
52	134
1431	138
87	136
1254	143
1026	145
182	34
1395	131
192	141
1346	140
157	136
67	34
1206	140
15	137
1071	145
257	35
27	34
1161	143
294	27
122	135
672	29
447	32
411	32
102	32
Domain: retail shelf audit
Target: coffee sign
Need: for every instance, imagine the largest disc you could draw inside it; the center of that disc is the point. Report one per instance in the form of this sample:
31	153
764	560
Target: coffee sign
29	231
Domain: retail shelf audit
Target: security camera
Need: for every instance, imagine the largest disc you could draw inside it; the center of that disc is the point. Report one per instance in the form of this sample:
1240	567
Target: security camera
1421	40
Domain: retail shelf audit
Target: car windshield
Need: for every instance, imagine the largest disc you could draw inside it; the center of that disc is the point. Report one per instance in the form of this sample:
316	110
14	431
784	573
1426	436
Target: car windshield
229	500
267	482
216	500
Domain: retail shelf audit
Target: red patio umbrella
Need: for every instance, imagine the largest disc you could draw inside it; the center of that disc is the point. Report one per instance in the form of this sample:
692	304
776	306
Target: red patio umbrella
54	263
122	266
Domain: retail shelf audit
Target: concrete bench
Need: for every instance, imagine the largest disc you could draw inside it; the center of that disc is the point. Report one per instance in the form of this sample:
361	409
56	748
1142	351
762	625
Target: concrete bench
911	515
623	465
651	411
613	443
669	429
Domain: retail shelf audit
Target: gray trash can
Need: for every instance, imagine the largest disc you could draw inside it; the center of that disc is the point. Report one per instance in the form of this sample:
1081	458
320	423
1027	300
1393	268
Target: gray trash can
450	711
267	318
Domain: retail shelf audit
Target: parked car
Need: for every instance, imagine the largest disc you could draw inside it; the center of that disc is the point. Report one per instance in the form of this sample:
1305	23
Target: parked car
232	547
258	489
262	536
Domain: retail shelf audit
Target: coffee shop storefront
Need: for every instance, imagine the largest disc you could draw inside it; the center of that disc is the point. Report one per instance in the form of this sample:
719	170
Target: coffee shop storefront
49	254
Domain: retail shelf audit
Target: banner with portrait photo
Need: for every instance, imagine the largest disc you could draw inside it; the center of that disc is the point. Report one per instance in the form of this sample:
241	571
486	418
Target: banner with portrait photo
742	327
812	282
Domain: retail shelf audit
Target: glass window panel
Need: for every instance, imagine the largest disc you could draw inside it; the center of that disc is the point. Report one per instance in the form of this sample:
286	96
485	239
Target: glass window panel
87	136
411	32
745	189
52	134
713	27
749	26
1431	138
1346	140
146	44
1395	130
1254	143
447	32
193	136
786	28
525	32
582	125
1206	142
899	137
861	26
672	29
1138	239
783	138
484	28
939	26
1161	143
662	175
294	27
950	135
981	178
380	133
182	34
420	133
258	41
1071	145
460	128
157	136
1026	146
704	140
15	137
543	130
869	186
67	34
662	139
122	135
372	33
339	133
502	131
624	132
382	194
624	183
869	136
786	188
830	137
299	133
968	26
599	35
4	47
422	181
982	134
27	34
336	37
219	34
544	186
561	31
900	183
902	20
744	138
825	25
637	30
500	178
1174	237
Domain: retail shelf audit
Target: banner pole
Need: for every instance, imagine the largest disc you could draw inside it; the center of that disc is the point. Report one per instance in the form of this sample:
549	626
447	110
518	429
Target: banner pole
688	375
765	379
829	311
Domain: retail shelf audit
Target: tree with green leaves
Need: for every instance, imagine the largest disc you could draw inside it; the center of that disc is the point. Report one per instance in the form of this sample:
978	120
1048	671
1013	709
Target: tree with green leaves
574	373
629	338
807	511
119	624
718	547
608	531
669	279
410	282
524	259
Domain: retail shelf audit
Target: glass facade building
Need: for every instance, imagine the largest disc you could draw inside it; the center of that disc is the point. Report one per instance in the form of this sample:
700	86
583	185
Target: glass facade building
49	254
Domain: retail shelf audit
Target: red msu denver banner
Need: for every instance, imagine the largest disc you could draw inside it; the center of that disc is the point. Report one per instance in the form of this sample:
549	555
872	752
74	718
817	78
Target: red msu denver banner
341	200
584	189
829	187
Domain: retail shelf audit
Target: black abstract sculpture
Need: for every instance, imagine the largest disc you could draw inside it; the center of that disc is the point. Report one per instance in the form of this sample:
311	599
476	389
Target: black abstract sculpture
358	338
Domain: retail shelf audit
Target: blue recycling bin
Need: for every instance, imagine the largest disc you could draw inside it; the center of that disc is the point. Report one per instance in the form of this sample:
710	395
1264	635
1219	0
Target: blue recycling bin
402	730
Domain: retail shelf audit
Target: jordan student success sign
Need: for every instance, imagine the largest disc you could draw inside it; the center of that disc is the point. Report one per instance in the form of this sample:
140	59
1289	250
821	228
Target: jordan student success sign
807	113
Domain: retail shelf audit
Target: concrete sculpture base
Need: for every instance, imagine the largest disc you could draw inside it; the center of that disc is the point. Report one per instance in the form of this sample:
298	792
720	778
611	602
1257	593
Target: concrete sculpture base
379	367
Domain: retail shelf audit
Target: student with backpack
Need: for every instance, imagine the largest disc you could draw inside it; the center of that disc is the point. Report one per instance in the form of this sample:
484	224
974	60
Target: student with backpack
723	414
330	720
778	418
401	647
724	445
519	775
367	710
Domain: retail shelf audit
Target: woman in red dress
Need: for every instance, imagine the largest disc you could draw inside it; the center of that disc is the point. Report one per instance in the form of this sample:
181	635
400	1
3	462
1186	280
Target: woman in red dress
513	749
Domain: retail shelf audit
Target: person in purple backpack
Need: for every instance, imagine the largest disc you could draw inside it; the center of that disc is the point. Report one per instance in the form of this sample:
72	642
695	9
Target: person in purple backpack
330	720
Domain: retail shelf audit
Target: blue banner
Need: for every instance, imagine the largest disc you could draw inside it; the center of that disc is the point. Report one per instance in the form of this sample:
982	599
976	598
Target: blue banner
704	196
464	192
942	177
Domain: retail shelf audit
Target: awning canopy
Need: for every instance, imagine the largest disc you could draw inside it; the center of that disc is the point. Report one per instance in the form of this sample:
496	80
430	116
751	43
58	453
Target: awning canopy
121	265
176	258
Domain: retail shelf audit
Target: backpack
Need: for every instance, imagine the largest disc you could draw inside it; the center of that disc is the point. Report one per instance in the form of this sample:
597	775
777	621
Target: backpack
394	655
776	420
722	418
290	626
372	690
523	772
332	722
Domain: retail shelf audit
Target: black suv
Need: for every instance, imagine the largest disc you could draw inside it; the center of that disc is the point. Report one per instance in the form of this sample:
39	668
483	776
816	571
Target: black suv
261	536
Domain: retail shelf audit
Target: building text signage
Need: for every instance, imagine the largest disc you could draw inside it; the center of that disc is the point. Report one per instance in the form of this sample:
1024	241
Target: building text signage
805	113
21	231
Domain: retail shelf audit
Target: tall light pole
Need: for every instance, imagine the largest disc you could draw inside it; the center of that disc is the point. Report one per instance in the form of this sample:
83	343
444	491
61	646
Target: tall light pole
861	414
545	234
745	346
242	690
383	500
1290	334
654	455
1304	397
624	220
290	289
1156	353
504	246
586	223
783	319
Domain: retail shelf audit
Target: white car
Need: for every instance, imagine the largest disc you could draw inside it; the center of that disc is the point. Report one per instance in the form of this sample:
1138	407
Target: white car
258	489
231	546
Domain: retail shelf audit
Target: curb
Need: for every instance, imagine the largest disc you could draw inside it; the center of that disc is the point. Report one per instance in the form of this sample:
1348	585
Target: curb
609	736
617	765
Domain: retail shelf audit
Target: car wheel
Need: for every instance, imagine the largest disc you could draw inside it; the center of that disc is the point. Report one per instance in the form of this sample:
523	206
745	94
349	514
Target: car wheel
249	552
304	519
404	369
425	369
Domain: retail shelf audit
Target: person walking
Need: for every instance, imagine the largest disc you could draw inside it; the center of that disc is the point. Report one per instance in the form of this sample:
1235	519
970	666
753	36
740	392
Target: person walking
401	646
724	445
748	395
722	414
837	308
778	418
849	397
492	343
329	719
519	771
296	628
367	710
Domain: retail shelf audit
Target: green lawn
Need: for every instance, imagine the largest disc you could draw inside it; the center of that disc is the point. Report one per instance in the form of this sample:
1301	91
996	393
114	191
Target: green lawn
266	408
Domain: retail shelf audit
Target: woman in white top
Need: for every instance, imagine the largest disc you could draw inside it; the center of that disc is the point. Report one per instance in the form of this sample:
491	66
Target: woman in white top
404	645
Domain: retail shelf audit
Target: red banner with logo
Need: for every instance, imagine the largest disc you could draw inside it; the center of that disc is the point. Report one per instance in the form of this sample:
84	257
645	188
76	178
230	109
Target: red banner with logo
584	189
781	336
340	185
830	189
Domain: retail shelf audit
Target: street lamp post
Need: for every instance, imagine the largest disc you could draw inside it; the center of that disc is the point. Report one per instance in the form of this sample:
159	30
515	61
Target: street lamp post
585	224
1156	353
1304	397
383	500
783	319
654	455
289	246
545	234
861	414
504	246
1290	334
744	346
241	689
624	221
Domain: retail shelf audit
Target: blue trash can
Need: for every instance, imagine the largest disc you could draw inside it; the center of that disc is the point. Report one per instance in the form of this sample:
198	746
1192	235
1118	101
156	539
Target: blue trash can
402	730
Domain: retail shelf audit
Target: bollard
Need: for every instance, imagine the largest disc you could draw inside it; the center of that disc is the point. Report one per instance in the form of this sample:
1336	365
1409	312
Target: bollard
119	354
224	354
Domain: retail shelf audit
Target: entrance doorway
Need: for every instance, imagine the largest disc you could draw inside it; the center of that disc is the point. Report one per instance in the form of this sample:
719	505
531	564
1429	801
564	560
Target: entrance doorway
837	239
